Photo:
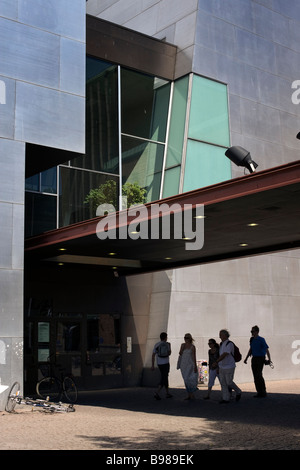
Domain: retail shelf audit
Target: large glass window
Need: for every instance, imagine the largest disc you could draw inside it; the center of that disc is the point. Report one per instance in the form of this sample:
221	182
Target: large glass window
196	139
208	135
209	112
75	186
144	115
101	118
145	101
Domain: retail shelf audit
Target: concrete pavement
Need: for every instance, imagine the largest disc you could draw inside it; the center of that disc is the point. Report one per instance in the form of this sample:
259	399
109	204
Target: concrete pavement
131	419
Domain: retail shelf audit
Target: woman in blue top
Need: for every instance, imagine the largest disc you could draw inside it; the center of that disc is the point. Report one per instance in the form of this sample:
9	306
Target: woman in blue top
258	350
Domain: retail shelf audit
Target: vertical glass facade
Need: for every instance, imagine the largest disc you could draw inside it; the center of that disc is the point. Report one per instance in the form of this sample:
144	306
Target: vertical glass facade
167	137
208	135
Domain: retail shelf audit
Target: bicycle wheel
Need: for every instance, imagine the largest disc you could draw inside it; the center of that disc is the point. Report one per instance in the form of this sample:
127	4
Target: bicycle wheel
49	388
70	389
11	400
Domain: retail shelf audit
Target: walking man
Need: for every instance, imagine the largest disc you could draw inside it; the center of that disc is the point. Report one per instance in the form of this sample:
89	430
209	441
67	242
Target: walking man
258	350
162	351
226	364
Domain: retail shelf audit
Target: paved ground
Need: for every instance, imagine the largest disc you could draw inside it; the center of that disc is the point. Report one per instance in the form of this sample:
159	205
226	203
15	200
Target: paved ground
131	419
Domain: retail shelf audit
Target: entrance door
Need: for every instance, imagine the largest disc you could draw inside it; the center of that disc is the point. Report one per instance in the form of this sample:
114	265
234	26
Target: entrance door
84	345
103	351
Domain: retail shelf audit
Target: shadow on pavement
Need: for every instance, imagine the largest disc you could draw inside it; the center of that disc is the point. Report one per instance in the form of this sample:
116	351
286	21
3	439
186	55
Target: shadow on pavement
271	423
277	409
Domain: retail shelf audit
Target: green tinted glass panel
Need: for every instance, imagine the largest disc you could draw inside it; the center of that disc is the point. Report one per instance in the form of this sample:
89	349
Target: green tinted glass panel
205	164
177	122
209	112
142	163
171	182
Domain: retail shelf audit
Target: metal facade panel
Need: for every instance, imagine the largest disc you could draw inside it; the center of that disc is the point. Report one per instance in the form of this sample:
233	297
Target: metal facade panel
49	117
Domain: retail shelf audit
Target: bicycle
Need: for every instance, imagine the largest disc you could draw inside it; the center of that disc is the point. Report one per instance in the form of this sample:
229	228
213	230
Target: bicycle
14	398
54	388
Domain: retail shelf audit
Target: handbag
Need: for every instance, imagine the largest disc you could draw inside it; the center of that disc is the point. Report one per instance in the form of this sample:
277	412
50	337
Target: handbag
178	362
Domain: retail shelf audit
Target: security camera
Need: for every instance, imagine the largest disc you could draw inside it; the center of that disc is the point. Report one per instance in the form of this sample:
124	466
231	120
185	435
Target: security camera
241	157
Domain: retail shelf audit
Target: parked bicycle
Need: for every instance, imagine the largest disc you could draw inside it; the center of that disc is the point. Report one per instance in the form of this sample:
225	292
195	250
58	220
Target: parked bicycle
54	387
14	398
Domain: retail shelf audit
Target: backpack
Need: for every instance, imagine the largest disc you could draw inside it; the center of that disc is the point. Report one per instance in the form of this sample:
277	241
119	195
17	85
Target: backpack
236	353
163	349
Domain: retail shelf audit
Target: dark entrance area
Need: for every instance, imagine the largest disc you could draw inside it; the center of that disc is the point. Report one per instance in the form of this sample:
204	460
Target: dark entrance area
73	325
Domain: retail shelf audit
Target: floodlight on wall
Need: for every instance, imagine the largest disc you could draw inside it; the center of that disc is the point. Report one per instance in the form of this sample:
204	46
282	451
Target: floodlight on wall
298	135
241	157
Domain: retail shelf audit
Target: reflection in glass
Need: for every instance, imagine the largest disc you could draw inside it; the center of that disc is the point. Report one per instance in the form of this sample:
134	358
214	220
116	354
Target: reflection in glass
68	336
49	181
142	163
145	101
103	344
32	183
76	186
40	213
101	118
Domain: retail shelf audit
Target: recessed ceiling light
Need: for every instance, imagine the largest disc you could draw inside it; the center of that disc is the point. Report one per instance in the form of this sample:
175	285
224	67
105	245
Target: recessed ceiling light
252	224
62	249
112	254
243	244
200	217
168	257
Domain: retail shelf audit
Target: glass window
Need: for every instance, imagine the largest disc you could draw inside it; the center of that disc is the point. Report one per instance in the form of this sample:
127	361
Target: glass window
101	118
177	122
145	101
209	112
103	344
40	213
171	181
49	181
33	183
77	185
142	163
205	164
68	336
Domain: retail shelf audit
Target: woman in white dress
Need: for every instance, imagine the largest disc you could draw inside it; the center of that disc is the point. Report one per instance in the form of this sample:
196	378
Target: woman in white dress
188	365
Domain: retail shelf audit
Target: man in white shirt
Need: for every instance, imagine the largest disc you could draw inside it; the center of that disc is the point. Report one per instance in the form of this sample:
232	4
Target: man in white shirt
226	364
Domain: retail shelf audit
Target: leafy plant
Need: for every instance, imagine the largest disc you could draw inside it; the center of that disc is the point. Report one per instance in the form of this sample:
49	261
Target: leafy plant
134	193
107	194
